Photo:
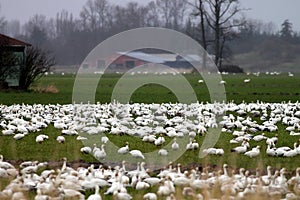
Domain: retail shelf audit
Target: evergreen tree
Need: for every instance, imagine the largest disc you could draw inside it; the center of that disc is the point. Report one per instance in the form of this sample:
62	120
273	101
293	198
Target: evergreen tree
286	31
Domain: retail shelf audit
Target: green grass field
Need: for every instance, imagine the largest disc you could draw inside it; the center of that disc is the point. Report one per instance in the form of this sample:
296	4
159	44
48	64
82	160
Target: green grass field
265	88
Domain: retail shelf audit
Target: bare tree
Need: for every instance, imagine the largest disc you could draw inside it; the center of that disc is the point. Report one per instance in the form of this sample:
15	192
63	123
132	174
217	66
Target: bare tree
37	30
199	11
3	22
164	7
94	14
152	15
221	17
37	63
172	12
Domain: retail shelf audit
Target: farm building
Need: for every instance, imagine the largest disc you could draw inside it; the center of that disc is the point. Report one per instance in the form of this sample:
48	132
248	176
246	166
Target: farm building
122	61
13	49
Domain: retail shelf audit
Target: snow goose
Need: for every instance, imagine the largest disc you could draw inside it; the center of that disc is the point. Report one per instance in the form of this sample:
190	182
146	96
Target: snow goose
8	132
292	152
60	139
181	180
258	138
195	144
86	150
40	138
81	138
293	133
104	139
5	165
266	179
160	140
141	185
224	178
247	80
271	151
167	188
222	82
99	154
254	152
124	150
70	193
119	195
40	196
150	196
295	179
137	154
214	151
272	141
95	196
152	180
189	146
175	145
19	136
30	169
280	151
240	149
163	152
18	196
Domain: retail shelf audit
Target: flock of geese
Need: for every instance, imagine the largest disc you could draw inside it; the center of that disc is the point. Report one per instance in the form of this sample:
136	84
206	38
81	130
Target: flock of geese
171	183
250	125
247	123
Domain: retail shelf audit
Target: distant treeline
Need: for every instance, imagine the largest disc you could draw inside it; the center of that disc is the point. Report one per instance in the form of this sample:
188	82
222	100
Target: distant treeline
71	39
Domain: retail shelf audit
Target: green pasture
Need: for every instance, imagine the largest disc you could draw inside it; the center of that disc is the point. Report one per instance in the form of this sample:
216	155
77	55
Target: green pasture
265	88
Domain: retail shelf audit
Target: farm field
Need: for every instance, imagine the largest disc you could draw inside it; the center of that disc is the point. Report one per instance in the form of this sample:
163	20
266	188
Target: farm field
266	88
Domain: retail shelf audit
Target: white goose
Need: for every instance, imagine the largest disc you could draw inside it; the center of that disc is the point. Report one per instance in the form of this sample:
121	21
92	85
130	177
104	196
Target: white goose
254	152
5	165
60	139
99	154
242	148
160	140
150	196
70	193
141	185
163	152
266	179
40	138
86	150
292	152
119	195
137	154
167	188
95	196
271	151
19	136
124	150
175	145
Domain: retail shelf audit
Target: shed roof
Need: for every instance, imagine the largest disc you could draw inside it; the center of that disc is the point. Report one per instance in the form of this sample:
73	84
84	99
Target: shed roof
9	41
143	56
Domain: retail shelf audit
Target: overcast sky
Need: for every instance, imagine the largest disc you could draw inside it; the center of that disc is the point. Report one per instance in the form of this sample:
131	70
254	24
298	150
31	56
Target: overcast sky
267	10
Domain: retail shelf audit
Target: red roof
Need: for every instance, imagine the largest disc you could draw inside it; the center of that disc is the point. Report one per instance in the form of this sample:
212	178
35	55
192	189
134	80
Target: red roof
8	41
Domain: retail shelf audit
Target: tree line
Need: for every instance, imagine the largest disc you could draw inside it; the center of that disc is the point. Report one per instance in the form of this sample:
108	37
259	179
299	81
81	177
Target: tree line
218	25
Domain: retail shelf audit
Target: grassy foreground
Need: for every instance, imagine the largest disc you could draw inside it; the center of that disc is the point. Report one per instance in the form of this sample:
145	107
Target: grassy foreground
267	88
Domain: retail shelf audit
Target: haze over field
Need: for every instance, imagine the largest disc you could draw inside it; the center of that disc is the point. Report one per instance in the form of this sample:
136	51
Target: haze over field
267	10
